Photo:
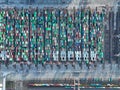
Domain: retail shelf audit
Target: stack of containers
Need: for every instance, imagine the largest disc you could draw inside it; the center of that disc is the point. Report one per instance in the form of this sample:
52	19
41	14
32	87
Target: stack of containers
2	35
40	36
97	36
86	36
63	33
82	34
70	35
18	41
9	42
78	36
55	36
100	36
94	36
33	33
25	35
102	16
48	34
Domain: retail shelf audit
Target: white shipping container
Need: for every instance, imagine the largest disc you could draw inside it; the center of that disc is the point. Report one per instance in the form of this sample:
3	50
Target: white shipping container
70	55
78	55
93	55
85	55
55	56
63	55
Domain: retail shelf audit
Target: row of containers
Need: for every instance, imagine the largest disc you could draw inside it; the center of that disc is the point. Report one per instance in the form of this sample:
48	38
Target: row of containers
51	35
82	83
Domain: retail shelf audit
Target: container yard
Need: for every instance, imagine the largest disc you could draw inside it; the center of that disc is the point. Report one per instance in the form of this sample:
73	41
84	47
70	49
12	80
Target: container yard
45	36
